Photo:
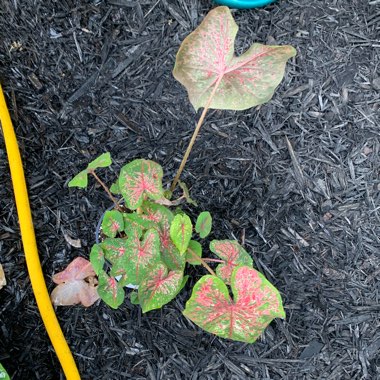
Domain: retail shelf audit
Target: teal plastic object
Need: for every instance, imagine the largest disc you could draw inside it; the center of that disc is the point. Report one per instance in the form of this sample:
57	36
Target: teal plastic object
244	4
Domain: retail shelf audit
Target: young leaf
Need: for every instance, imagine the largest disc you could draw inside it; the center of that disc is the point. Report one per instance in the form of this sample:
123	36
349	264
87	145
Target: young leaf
80	180
206	64
76	284
203	224
103	161
114	189
181	230
112	223
139	178
142	255
256	303
110	291
114	249
233	254
159	287
97	258
193	249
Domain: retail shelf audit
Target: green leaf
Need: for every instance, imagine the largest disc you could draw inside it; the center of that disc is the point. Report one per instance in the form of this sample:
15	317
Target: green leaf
114	249
3	373
97	258
112	223
181	230
80	180
114	189
138	179
110	291
159	287
233	254
119	271
136	223
203	224
256	302
206	65
103	161
134	298
186	194
194	248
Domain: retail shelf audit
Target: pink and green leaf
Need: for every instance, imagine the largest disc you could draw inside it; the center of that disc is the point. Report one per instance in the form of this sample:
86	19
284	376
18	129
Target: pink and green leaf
136	223
114	249
80	180
256	303
110	291
159	287
97	258
194	250
138	179
206	65
158	214
119	272
170	254
103	161
204	224
142	255
181	230
233	254
113	222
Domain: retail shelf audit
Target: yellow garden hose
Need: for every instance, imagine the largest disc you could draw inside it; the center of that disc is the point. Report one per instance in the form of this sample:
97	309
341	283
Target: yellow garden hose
30	247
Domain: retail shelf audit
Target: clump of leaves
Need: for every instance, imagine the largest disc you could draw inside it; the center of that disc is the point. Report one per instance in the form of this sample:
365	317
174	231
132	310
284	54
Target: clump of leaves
148	245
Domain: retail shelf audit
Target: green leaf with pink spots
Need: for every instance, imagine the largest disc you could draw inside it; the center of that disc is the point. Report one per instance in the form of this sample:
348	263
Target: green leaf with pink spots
114	249
113	222
110	291
181	230
256	302
159	287
136	223
97	258
233	254
207	67
138	179
142	255
203	224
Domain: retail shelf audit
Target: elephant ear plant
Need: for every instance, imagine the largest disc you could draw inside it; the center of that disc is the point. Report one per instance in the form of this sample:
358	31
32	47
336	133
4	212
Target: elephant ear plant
145	244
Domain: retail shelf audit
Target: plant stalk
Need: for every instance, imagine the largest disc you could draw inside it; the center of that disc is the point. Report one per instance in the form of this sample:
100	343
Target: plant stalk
202	262
113	199
195	134
214	260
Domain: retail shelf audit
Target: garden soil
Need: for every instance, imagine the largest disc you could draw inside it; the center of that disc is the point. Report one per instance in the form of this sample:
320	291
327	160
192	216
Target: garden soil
296	181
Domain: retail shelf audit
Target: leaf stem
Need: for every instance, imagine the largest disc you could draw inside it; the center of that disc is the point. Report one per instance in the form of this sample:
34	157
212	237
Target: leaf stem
195	256
195	134
113	199
214	260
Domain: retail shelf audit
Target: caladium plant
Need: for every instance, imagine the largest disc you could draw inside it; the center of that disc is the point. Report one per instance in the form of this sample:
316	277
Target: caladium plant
146	245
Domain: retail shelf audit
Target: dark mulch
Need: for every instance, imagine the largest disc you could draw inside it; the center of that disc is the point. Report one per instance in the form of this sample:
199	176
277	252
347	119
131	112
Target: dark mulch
82	78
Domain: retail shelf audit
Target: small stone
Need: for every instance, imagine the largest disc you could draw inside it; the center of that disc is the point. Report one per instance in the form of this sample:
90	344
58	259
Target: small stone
376	83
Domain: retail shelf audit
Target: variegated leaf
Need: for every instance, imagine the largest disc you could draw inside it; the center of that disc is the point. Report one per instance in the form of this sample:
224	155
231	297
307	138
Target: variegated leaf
97	258
181	230
112	223
110	291
206	65
136	224
114	249
140	178
256	303
233	254
193	251
203	224
159	287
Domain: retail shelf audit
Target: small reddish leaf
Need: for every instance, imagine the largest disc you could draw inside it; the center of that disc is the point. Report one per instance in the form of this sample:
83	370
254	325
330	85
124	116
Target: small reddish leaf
159	287
103	161
256	303
203	224
140	178
112	223
141	255
114	249
97	258
76	284
80	180
233	254
181	230
110	291
206	64
194	249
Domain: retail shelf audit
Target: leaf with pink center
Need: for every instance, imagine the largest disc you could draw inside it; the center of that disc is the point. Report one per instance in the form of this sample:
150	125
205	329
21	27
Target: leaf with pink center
138	179
233	254
203	224
256	302
114	249
158	214
206	65
194	252
142	255
159	287
181	230
76	284
110	291
113	222
97	258
136	224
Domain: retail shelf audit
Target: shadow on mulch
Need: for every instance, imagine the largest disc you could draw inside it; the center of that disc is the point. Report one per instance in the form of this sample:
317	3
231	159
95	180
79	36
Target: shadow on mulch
297	178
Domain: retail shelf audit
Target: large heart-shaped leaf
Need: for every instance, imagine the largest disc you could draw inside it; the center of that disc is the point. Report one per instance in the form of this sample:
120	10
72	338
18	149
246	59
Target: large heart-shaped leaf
206	65
112	223
114	249
181	230
256	303
159	288
142	255
233	254
110	291
140	178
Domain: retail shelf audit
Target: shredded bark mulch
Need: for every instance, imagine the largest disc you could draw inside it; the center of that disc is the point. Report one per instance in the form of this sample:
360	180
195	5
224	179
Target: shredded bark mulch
297	181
